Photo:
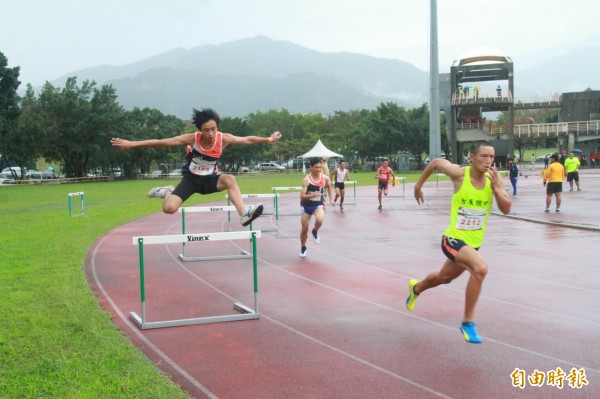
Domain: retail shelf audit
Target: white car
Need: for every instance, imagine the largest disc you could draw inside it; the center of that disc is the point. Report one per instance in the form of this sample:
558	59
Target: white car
270	166
541	159
176	173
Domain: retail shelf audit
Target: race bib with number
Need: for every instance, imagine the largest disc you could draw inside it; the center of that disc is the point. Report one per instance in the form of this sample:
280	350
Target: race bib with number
470	219
202	167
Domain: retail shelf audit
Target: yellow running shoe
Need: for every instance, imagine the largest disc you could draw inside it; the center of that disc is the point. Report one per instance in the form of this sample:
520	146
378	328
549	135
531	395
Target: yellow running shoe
412	297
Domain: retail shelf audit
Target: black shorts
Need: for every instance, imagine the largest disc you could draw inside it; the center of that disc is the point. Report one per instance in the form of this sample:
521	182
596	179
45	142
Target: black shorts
554	187
192	184
573	176
341	185
451	246
383	185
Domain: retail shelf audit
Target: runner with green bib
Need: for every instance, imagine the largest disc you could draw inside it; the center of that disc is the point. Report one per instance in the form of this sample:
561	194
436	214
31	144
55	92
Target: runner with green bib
474	188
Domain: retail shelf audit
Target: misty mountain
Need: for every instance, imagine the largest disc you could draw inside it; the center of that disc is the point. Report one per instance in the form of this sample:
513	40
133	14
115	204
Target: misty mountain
575	71
258	74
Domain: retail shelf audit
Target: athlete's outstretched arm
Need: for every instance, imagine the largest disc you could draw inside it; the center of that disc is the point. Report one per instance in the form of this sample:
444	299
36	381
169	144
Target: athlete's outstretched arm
229	138
183	139
444	166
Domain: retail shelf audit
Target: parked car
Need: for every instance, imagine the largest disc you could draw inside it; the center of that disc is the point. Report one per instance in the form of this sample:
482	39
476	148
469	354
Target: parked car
155	174
13	170
176	173
7	178
37	177
297	164
244	169
270	166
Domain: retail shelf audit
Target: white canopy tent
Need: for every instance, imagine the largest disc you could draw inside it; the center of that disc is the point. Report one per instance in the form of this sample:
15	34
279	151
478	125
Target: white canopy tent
319	151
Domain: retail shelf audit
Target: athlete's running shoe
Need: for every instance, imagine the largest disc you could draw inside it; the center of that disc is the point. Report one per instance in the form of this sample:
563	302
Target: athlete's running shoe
315	235
159	192
251	214
470	333
547	210
412	297
303	252
379	207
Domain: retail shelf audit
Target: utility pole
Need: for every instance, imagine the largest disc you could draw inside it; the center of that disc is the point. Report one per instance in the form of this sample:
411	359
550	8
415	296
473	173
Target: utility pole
435	149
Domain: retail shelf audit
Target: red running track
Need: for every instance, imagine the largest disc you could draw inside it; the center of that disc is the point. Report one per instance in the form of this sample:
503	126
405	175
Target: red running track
334	324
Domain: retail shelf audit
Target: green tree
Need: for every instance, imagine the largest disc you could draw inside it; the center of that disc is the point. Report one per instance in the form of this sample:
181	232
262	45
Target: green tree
9	112
237	155
145	124
26	148
78	124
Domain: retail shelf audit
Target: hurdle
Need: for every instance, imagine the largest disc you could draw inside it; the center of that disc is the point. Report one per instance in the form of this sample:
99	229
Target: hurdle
246	313
196	209
353	182
276	200
274	196
437	177
81	196
397	179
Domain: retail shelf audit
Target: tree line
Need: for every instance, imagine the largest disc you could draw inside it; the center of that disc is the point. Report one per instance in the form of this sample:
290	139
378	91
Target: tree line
73	125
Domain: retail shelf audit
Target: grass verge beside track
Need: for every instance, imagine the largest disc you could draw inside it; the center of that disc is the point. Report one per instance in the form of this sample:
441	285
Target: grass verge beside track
55	339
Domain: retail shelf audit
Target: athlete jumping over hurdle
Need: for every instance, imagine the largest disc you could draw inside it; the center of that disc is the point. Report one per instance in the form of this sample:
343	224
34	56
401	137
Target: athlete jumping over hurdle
200	172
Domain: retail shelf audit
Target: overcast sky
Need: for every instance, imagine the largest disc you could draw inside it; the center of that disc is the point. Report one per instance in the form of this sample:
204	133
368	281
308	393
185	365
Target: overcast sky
49	38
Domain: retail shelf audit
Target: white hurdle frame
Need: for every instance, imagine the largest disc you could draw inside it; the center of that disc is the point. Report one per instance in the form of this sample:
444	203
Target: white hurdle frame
197	209
274	196
246	312
403	179
276	200
81	196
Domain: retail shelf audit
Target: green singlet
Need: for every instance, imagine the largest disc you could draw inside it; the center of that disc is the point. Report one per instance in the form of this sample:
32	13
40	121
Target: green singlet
470	211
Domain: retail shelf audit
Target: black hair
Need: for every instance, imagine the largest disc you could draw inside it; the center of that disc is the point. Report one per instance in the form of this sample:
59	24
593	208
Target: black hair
314	161
510	159
207	114
478	144
554	156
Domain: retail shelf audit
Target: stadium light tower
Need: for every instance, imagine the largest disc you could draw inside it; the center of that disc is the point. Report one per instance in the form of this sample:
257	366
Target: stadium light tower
435	149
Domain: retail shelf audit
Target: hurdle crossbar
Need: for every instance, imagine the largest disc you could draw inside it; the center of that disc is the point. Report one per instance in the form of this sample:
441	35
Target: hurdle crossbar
437	178
273	195
353	182
276	200
402	179
197	209
246	313
81	197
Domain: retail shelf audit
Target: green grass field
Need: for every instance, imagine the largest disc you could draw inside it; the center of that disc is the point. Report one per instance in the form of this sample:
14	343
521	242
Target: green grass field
55	340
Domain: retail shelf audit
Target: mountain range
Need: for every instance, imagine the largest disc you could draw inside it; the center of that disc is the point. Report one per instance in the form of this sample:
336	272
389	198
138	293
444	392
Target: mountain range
259	74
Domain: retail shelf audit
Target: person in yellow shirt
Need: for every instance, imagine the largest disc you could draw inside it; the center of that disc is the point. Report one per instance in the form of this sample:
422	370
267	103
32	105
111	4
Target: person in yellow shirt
572	166
554	176
475	187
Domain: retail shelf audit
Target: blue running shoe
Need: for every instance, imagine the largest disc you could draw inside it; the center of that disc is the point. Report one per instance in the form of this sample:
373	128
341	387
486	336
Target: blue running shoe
470	333
412	297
